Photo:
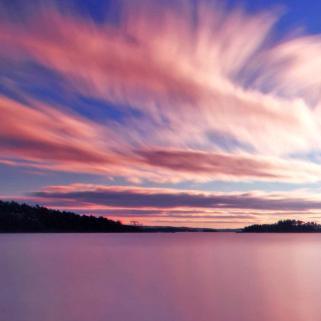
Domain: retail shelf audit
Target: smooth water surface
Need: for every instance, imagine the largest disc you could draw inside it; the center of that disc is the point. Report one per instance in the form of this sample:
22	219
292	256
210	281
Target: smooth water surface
160	277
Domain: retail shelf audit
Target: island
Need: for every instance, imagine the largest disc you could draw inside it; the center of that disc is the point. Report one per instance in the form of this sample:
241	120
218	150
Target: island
284	226
23	218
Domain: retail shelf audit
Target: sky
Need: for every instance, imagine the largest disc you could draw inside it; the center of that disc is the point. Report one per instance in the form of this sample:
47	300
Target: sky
185	113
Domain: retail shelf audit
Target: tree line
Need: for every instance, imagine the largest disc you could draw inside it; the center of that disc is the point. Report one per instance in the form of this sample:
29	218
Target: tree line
15	217
284	226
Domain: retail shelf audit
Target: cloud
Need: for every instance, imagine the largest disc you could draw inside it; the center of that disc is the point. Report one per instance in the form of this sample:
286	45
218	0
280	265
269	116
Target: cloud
238	166
185	71
42	136
180	68
192	207
136	197
49	137
292	69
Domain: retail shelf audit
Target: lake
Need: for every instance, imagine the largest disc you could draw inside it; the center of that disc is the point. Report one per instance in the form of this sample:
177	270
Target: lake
160	277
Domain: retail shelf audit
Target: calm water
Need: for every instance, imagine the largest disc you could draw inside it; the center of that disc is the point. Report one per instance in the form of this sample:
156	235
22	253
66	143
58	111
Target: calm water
160	277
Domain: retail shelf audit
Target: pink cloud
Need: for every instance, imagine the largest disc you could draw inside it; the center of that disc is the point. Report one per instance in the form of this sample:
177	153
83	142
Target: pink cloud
44	137
171	70
157	198
293	68
179	207
182	78
43	133
238	166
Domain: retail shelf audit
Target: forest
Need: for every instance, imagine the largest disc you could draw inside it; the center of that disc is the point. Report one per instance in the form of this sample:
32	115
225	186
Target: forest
284	226
15	217
23	218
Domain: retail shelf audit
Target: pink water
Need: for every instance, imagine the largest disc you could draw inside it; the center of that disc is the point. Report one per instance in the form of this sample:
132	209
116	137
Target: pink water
160	277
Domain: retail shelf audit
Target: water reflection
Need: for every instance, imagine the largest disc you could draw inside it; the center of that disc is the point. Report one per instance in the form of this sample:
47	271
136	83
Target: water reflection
160	277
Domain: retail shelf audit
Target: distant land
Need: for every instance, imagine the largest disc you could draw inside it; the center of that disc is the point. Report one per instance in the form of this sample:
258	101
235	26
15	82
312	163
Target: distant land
23	218
284	226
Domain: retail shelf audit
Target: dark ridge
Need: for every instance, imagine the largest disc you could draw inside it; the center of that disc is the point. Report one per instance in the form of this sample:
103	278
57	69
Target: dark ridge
284	226
23	218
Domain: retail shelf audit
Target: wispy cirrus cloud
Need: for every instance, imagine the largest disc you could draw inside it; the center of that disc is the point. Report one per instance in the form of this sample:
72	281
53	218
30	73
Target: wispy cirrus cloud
189	87
43	135
292	69
204	93
226	166
48	138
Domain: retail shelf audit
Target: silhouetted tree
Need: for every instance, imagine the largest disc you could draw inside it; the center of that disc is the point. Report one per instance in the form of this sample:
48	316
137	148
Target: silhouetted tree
284	226
15	217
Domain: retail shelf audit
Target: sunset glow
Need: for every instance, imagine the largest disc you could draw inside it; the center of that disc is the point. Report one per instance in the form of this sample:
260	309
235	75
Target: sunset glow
182	113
